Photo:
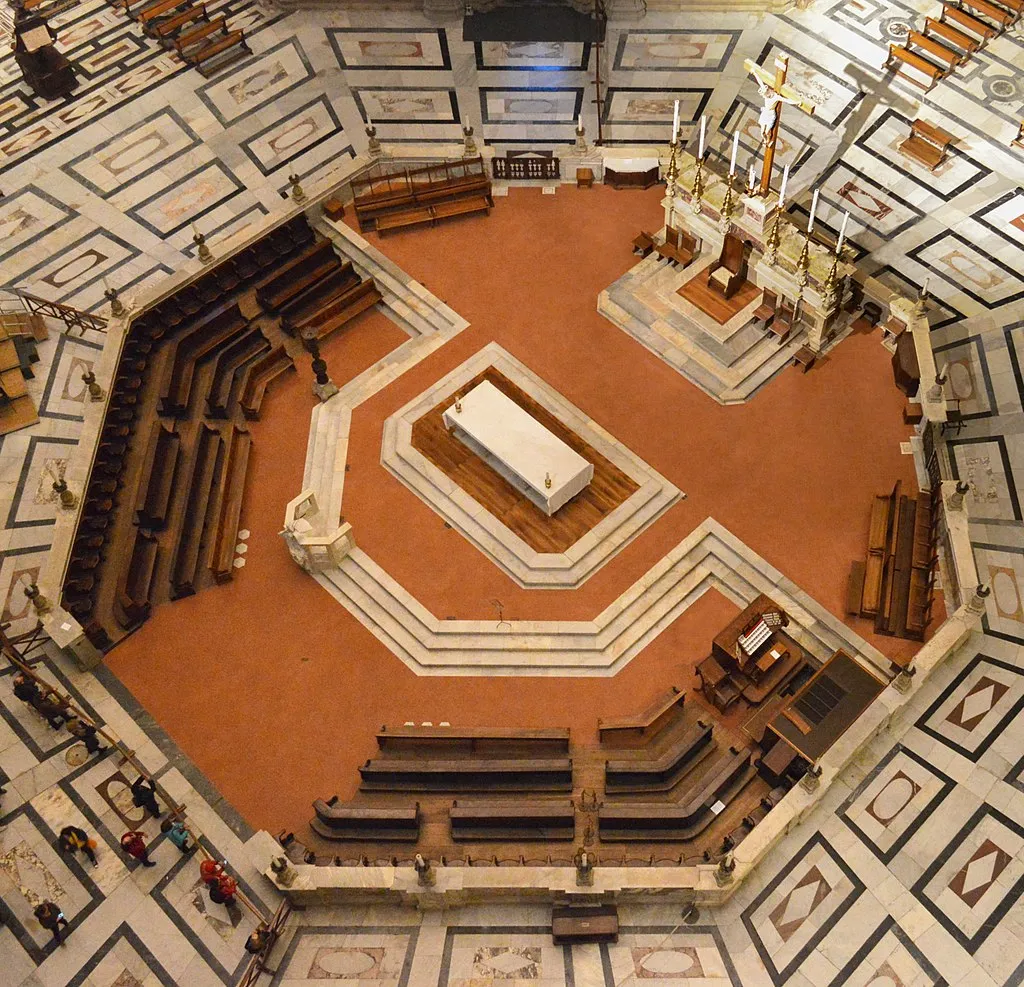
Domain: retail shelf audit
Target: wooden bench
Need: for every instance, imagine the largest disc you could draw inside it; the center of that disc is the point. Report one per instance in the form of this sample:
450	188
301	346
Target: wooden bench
164	30
135	582
950	34
200	481
679	246
914	61
345	308
927	144
161	8
218	329
153	501
249	346
574	924
232	489
943	55
208	61
513	821
317	294
256	378
501	741
919	603
199	34
404	218
855	587
361	822
462	207
710	791
645	724
951	12
994	12
296	275
661	773
468	775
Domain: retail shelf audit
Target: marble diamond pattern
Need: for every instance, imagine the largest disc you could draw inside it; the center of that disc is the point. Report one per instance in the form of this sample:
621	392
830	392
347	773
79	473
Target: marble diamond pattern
375	956
674	51
25	216
795	911
975	880
972	711
968	270
359	48
894	801
889	958
969	384
984	465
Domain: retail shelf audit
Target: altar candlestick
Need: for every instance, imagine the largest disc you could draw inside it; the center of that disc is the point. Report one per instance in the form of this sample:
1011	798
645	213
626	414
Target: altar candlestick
842	233
579	121
369	122
735	148
782	190
195	229
814	209
675	122
700	150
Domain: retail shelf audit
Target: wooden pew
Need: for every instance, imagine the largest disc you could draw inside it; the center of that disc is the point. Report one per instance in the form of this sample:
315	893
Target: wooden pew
161	8
498	741
855	588
251	344
467	775
679	247
513	821
283	284
951	35
336	282
199	34
218	329
661	773
361	822
209	59
257	376
200	480
951	12
345	308
927	144
157	478
135	581
232	489
166	29
645	724
993	11
655	821
913	60
939	52
403	218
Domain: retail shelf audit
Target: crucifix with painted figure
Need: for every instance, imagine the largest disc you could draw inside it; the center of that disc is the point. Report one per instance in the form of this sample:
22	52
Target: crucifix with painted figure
775	93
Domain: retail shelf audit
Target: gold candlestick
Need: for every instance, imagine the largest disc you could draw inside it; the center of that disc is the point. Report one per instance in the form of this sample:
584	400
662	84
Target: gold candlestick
804	263
698	187
672	179
727	204
771	248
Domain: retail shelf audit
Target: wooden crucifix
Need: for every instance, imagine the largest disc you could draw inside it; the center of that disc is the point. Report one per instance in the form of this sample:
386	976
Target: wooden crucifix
775	93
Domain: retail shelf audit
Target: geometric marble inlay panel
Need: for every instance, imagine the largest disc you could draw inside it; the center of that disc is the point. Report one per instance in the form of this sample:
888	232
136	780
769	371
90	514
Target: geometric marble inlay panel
894	801
976	706
791	916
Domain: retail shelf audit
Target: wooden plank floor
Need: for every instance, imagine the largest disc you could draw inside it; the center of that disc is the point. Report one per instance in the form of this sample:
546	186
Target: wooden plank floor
609	488
710	302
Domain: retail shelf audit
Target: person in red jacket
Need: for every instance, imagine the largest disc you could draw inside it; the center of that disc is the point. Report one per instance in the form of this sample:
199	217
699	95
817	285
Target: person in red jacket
134	844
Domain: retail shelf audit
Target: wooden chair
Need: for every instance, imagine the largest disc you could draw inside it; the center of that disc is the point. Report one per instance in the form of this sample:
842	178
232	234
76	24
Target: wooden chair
730	270
766	310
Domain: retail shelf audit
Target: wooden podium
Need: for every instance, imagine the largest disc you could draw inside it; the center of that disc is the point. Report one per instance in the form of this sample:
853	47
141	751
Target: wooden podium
46	71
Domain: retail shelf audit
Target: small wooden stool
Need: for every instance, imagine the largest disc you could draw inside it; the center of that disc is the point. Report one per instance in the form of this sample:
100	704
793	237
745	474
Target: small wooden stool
643	244
584	178
804	357
334	209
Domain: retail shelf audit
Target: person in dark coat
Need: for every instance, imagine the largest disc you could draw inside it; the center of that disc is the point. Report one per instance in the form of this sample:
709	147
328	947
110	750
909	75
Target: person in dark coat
50	917
86	733
144	795
72	839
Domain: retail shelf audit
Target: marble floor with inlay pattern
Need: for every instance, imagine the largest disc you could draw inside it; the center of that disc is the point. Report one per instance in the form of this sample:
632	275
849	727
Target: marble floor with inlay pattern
911	873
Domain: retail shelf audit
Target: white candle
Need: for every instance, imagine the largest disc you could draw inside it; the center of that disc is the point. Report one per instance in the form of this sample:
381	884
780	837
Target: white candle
579	121
814	209
751	179
842	233
700	150
195	229
782	191
675	122
369	122
924	290
735	148
106	284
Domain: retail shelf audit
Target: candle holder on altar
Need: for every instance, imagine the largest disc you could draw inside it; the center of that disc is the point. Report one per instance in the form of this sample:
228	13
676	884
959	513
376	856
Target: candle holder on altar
298	195
697	191
804	263
771	247
830	295
725	221
581	140
469	149
672	178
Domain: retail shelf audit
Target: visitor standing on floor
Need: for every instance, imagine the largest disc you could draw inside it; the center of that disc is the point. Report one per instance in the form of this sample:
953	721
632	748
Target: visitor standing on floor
134	844
51	918
72	840
144	795
28	692
86	733
176	833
